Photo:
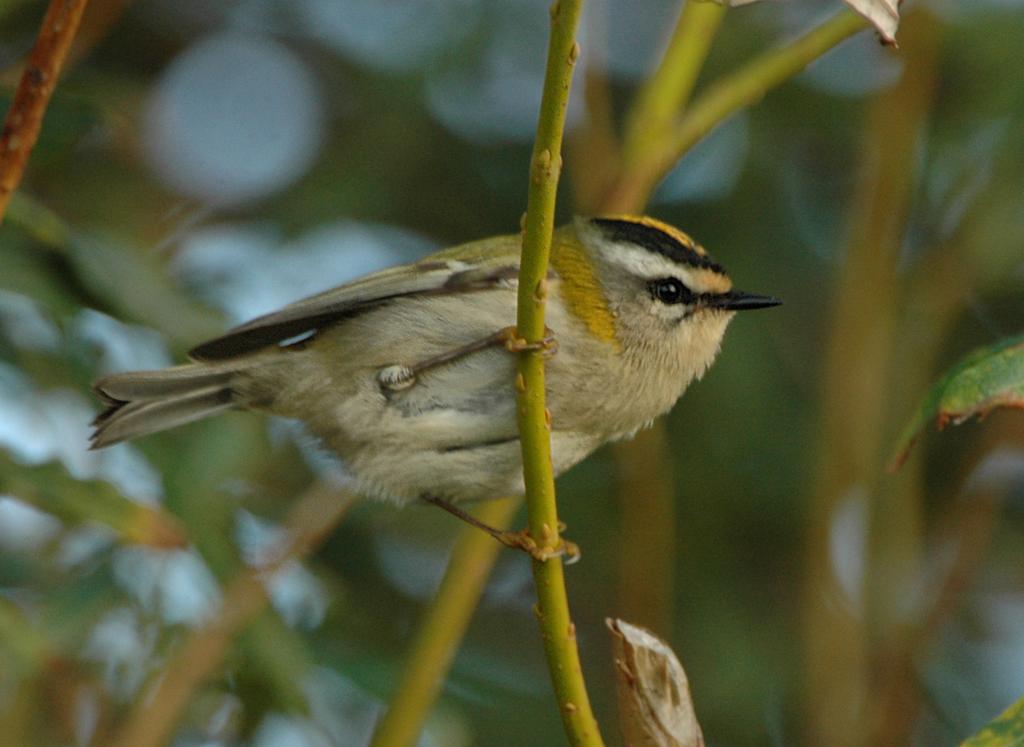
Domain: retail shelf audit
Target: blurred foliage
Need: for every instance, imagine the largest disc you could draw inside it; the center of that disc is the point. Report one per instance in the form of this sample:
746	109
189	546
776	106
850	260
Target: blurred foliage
1005	731
167	192
986	379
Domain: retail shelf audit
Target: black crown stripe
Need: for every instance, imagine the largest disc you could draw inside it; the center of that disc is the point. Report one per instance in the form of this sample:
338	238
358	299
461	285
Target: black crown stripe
655	240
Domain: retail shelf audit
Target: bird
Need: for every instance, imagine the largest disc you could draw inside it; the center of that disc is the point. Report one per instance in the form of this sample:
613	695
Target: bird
407	374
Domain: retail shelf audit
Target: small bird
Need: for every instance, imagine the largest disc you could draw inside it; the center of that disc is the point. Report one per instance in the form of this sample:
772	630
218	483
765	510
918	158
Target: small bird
407	374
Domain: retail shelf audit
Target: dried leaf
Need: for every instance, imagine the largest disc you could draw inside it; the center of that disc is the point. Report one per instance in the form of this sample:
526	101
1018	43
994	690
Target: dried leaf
733	3
884	15
1005	731
655	707
988	378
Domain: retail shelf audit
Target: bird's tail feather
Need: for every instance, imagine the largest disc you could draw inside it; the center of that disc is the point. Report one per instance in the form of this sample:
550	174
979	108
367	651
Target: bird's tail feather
142	402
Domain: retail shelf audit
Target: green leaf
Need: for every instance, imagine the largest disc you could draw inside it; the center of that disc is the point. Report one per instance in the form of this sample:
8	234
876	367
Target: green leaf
134	283
23	642
1005	731
49	487
136	286
988	378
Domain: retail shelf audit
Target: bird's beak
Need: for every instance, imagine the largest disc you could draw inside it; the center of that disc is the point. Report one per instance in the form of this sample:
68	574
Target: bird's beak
740	301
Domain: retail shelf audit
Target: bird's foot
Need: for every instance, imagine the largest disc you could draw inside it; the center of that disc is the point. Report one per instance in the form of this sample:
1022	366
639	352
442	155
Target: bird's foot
523	540
547	345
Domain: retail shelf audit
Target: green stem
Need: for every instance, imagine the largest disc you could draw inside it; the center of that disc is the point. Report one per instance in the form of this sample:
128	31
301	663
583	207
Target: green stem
666	93
727	96
535	434
443	627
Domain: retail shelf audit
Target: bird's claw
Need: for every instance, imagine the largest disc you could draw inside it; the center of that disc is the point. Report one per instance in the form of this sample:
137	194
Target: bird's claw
547	345
522	540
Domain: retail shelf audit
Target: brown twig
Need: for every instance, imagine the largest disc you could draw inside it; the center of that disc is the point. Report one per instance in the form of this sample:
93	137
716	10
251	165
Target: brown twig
21	128
158	710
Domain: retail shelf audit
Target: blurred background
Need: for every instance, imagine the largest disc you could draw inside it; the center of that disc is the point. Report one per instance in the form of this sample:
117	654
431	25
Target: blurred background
204	162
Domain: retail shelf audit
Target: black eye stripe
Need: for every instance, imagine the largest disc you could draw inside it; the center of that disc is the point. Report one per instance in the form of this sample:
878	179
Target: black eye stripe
670	291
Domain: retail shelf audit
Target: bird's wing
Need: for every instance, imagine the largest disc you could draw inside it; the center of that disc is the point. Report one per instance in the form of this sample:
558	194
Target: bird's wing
485	266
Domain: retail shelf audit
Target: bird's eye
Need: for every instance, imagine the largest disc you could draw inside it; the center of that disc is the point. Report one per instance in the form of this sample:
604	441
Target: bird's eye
670	291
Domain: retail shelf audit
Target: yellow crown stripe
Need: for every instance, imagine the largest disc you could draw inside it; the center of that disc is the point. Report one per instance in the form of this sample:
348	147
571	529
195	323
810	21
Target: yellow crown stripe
675	233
